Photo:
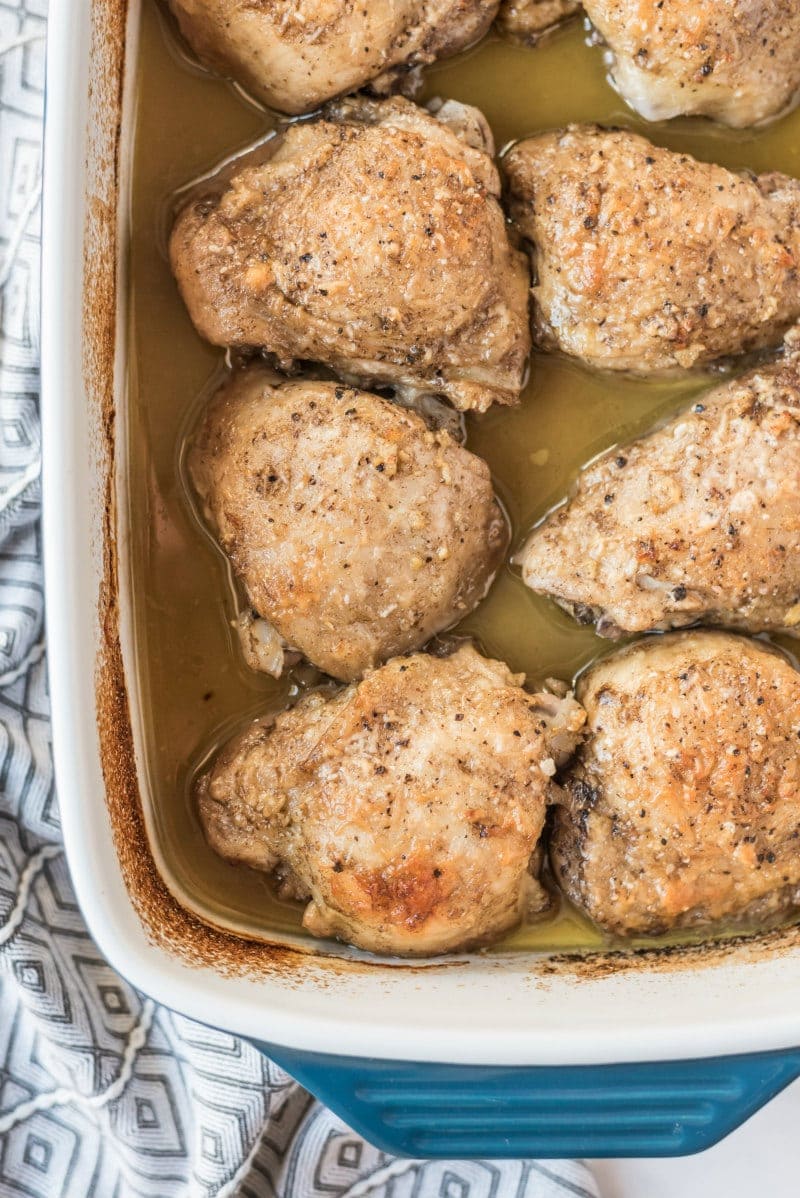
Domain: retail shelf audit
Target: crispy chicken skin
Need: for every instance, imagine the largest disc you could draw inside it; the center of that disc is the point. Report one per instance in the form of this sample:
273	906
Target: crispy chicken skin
737	61
527	20
296	56
699	521
406	809
650	261
358	533
682	808
370	240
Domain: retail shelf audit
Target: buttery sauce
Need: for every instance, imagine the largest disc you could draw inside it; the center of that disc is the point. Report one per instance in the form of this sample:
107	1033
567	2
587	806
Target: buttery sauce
194	687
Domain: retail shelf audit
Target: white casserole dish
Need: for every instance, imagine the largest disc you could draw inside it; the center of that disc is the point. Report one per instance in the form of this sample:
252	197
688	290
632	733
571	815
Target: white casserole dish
509	1011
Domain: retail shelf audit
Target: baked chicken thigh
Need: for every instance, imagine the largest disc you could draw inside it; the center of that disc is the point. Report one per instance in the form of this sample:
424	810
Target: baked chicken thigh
528	20
370	240
737	60
296	56
699	521
357	532
647	260
406	809
682	808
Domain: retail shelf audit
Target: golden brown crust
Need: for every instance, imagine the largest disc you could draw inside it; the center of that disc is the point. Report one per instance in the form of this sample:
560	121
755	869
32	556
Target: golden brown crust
358	532
648	260
406	808
295	56
700	520
528	20
736	61
682	808
372	241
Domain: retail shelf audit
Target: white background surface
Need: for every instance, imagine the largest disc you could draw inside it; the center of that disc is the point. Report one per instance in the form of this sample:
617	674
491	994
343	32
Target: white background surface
760	1160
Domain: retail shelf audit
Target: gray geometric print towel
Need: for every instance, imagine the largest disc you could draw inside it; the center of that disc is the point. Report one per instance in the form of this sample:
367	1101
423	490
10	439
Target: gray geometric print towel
104	1094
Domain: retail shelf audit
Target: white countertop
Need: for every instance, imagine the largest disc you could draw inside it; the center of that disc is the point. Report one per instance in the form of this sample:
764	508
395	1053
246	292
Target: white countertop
760	1160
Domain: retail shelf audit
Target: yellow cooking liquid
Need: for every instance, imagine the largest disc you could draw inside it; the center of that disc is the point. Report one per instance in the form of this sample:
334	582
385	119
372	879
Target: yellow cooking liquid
195	688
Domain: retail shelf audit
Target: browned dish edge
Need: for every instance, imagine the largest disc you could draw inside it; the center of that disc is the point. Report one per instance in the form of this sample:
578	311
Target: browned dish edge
167	924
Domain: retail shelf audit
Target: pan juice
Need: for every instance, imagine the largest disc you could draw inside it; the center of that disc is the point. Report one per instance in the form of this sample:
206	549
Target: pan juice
194	686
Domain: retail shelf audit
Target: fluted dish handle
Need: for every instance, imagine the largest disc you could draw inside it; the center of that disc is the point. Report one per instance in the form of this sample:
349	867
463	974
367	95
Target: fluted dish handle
422	1110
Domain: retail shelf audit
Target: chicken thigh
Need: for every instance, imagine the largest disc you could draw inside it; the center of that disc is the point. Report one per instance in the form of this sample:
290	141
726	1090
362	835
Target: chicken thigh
700	520
737	60
358	533
294	57
682	808
647	260
528	20
406	809
370	240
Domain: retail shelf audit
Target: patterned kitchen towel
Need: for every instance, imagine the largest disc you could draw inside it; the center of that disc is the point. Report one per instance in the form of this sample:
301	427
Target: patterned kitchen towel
103	1094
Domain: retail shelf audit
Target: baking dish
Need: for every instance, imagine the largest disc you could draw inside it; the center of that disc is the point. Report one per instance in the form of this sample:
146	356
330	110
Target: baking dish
517	1054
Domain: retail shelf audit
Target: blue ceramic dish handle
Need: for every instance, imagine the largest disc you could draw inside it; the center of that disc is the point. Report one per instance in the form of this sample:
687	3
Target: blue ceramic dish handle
669	1108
